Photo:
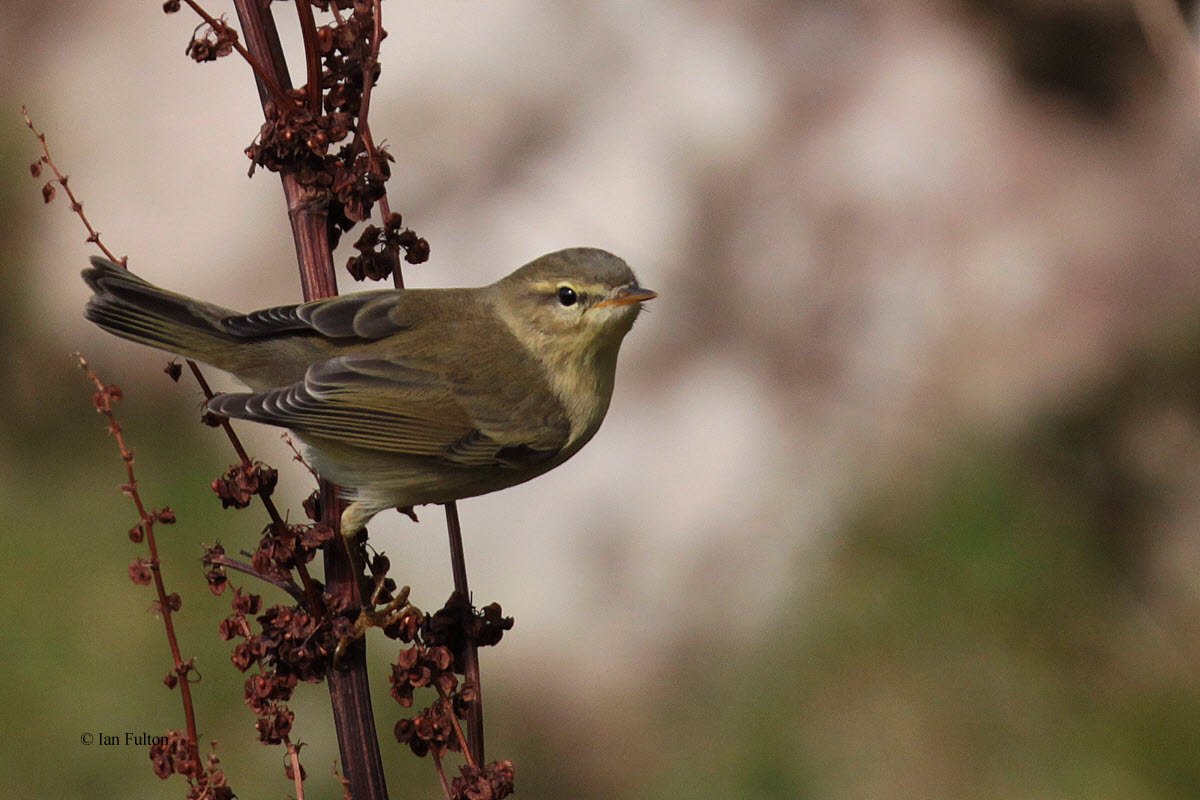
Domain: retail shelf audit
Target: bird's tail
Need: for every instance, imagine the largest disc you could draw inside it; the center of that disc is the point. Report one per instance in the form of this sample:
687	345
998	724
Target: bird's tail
134	309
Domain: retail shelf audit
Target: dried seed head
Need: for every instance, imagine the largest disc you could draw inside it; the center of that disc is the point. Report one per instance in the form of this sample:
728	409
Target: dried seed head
139	572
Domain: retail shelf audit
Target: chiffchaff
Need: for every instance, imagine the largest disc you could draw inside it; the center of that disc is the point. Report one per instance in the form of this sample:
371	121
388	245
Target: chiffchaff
409	396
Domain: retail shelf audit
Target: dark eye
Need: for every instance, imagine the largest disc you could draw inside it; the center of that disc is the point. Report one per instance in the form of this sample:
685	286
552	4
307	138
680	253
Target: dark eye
567	296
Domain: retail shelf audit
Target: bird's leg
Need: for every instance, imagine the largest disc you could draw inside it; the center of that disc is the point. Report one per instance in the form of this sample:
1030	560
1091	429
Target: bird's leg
370	586
370	615
354	522
376	617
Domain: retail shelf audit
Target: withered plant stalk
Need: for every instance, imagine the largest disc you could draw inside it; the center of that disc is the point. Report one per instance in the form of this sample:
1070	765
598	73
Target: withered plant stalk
327	193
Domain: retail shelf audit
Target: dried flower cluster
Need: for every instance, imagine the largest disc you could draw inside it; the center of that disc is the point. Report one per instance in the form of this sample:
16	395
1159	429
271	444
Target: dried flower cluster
241	482
137	533
292	645
433	730
174	755
296	139
490	782
299	134
300	137
379	248
210	41
279	551
458	623
348	54
420	666
435	660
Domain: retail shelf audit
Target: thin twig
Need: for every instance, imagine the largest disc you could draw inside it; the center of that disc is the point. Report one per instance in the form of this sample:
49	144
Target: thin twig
297	772
441	773
312	58
76	206
363	127
458	731
298	456
458	567
259	70
240	566
311	592
105	396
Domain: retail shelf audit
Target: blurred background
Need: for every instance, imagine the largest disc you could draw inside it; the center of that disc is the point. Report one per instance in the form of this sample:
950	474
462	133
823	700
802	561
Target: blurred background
899	495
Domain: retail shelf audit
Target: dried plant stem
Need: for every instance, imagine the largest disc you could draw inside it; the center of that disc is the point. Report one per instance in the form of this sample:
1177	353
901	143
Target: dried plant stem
458	732
291	588
311	592
76	206
309	221
364	123
441	773
364	108
349	687
272	85
297	773
298	456
312	58
458	567
104	398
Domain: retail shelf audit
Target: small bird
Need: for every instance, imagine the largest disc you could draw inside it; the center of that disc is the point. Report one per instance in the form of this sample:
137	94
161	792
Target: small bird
409	396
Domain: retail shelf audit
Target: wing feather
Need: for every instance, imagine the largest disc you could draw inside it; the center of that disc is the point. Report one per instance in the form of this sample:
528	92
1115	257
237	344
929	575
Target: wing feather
403	407
362	315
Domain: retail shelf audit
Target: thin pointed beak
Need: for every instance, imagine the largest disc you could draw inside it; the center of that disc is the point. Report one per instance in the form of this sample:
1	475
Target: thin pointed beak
627	295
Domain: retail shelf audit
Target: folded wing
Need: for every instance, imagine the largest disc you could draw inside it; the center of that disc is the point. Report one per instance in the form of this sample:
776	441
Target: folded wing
400	406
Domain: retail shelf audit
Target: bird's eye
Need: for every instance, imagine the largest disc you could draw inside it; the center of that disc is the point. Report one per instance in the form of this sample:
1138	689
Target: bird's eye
567	296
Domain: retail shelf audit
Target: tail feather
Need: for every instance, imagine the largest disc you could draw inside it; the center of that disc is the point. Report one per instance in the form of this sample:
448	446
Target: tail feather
134	309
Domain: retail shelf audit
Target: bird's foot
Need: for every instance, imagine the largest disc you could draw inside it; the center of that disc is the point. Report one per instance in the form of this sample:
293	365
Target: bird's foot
397	614
399	618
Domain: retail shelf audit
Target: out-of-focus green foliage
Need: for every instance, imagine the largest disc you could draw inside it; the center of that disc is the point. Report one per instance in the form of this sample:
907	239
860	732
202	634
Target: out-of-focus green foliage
994	624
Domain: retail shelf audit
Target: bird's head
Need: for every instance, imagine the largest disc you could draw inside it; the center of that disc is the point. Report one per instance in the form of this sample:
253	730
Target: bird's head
572	303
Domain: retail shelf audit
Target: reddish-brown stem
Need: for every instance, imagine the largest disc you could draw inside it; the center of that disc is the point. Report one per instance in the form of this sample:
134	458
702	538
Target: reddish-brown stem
369	65
76	206
312	594
146	520
238	566
294	756
262	75
312	58
458	731
385	208
363	130
363	127
262	38
225	425
458	566
349	688
441	773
